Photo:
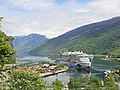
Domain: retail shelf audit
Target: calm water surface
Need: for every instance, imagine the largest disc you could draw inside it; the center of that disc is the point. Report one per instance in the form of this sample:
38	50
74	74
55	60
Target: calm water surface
97	68
33	59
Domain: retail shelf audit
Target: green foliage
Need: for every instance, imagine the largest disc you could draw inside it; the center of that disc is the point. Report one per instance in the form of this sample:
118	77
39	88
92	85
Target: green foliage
93	83
93	86
96	80
60	66
6	51
58	85
110	83
78	83
115	53
26	81
1	18
74	84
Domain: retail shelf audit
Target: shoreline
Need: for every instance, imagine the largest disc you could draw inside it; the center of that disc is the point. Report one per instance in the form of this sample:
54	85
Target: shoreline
111	59
53	73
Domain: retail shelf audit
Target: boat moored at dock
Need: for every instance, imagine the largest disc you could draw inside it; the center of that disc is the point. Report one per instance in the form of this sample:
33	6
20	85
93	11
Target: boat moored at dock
77	59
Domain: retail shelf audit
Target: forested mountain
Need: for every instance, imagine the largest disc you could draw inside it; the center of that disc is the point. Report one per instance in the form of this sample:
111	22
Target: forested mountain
25	43
99	38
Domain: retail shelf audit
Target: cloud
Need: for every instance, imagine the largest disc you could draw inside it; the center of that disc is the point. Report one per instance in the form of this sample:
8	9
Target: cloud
31	4
51	18
105	7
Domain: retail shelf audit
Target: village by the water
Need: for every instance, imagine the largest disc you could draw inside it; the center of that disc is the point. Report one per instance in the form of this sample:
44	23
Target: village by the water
77	60
59	44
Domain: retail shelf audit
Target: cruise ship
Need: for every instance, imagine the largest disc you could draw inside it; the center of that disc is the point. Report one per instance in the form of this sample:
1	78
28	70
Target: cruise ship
77	59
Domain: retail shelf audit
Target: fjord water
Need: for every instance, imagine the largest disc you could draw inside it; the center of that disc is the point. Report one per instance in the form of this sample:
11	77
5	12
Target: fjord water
33	59
98	67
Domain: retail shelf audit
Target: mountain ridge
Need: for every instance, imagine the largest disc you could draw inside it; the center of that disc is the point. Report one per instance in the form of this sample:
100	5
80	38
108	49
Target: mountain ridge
25	43
79	38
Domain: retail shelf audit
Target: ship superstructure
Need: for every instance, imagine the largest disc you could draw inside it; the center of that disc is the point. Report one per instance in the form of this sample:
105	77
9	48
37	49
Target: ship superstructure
77	59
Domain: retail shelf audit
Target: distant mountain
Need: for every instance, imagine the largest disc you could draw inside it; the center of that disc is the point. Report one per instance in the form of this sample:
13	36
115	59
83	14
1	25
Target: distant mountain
23	44
99	38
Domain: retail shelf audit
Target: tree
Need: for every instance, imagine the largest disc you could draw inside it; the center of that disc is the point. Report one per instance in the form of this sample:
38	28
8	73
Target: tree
78	83
74	84
115	53
110	83
84	82
26	81
58	85
6	55
94	84
6	51
96	80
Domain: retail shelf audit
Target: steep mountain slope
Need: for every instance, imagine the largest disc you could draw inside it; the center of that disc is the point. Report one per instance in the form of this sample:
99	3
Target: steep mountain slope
101	37
23	44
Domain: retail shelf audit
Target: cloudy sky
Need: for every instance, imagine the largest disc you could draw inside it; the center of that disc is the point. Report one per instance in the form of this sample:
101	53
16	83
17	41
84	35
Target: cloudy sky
53	17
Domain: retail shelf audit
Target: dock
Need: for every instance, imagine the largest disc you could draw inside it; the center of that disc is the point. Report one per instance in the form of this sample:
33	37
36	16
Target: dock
53	73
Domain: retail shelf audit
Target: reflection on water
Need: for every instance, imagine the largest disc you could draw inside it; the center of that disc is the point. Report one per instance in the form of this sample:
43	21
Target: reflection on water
72	73
64	77
97	68
102	65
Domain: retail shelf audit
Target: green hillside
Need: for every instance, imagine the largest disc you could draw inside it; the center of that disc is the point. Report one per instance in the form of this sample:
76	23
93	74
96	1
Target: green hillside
23	44
98	38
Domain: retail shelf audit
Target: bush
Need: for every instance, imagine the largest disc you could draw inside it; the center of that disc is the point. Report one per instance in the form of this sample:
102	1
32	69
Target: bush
58	85
26	81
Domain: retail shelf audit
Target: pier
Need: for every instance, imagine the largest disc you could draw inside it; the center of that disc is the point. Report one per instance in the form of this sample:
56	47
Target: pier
53	73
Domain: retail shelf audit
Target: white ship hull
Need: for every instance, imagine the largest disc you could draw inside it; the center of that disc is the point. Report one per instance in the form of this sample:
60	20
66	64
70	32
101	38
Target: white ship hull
74	64
85	64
